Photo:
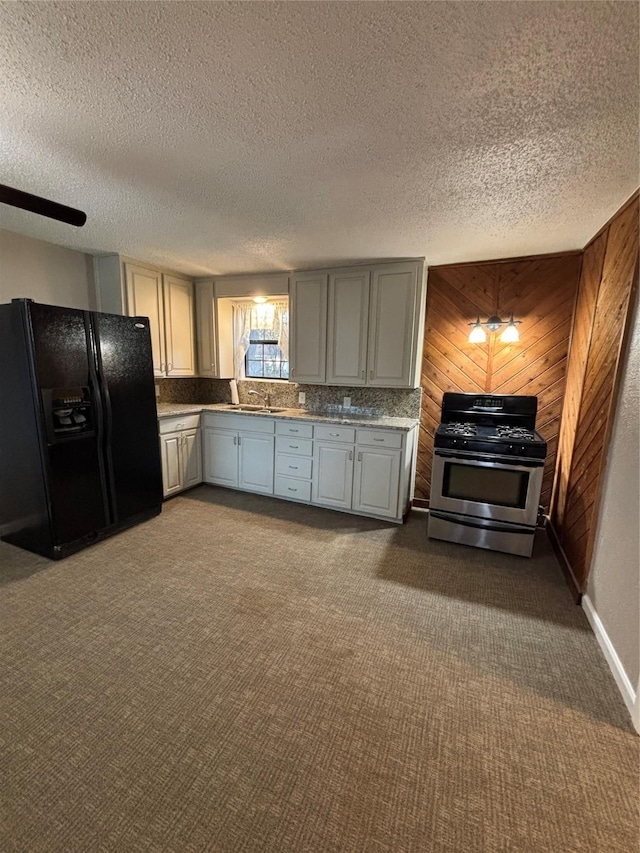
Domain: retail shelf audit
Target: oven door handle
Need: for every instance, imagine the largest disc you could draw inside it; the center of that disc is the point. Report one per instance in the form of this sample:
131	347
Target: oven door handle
524	531
513	462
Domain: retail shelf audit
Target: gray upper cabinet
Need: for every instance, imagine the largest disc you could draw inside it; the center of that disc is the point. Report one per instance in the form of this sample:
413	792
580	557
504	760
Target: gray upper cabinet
358	325
308	327
206	328
165	298
347	327
394	326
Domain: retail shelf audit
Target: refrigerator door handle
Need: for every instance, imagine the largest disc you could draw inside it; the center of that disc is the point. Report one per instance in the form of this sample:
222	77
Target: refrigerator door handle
99	418
103	390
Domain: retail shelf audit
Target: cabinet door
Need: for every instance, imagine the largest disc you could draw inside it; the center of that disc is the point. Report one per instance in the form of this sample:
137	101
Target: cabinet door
191	458
144	299
347	329
178	319
206	328
392	325
256	462
333	474
308	328
377	481
171	463
221	457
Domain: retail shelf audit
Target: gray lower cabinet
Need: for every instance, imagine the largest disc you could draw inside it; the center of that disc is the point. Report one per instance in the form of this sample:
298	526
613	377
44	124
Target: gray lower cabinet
181	454
376	485
221	457
239	452
367	471
333	480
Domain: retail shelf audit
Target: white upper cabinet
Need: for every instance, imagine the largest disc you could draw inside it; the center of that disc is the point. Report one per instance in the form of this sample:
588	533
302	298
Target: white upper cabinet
167	300
308	327
393	330
206	331
179	332
368	329
144	299
347	327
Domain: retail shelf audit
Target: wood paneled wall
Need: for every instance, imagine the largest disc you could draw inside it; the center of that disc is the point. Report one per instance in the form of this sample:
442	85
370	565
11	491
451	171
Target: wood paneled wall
609	274
539	291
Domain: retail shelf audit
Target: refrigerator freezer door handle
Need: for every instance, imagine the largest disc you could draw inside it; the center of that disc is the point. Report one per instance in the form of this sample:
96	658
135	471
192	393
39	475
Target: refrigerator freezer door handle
99	418
108	421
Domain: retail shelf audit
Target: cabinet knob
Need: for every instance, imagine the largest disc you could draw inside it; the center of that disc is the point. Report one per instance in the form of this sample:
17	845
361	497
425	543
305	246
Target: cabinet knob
371	374
360	457
351	454
235	439
363	374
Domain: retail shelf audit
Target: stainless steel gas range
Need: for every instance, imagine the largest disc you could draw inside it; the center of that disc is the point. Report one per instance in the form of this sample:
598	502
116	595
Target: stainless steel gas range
488	463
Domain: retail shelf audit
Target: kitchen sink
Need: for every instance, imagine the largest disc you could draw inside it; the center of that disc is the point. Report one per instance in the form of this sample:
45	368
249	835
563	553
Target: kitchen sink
268	410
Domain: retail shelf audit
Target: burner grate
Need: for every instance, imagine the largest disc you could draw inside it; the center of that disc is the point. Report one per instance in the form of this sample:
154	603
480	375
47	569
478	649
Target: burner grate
465	428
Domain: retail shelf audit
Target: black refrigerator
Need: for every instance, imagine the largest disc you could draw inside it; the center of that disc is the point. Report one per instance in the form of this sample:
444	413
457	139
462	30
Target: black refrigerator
79	446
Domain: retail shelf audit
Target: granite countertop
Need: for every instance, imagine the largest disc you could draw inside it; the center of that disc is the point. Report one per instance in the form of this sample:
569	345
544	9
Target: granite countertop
166	410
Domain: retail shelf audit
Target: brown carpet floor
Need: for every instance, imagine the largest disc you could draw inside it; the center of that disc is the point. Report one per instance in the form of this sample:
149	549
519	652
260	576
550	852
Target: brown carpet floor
242	675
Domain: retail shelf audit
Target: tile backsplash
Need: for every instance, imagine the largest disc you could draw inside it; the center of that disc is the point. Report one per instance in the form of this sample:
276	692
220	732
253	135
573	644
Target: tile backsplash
395	402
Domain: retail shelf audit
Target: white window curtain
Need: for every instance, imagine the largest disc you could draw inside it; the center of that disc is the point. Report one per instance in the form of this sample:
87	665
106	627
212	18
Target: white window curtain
247	316
281	326
241	331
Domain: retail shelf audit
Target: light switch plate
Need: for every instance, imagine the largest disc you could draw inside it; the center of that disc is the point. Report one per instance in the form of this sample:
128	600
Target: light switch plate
302	397
346	402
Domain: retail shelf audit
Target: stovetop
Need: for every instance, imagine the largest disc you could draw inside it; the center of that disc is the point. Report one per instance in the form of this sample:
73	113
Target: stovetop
497	425
484	431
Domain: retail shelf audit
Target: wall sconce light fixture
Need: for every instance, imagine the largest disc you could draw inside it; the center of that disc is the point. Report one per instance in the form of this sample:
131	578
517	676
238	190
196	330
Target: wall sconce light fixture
509	336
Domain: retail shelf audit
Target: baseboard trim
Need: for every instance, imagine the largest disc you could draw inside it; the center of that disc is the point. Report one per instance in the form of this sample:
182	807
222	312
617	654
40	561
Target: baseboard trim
615	665
565	565
420	503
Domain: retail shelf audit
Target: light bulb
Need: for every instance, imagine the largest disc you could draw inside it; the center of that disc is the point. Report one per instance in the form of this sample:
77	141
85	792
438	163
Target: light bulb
510	334
477	334
260	299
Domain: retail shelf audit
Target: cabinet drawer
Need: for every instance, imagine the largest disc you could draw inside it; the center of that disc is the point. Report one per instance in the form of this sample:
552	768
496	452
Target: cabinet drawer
293	466
177	424
380	438
287	487
294	446
241	423
297	430
335	433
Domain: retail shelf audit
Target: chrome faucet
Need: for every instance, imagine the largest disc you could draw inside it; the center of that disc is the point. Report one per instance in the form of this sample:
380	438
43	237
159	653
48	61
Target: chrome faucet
265	397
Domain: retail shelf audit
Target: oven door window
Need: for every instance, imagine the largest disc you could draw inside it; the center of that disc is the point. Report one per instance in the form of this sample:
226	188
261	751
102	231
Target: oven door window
497	486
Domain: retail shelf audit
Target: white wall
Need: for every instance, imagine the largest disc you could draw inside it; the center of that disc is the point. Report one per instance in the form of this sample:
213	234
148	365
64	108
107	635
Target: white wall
613	589
44	272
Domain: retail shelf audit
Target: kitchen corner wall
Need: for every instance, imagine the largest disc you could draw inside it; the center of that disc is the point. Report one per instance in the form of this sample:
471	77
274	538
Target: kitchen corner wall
609	274
538	291
44	272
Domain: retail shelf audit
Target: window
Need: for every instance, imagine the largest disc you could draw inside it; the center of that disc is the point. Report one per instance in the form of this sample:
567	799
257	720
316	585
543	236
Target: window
267	352
264	358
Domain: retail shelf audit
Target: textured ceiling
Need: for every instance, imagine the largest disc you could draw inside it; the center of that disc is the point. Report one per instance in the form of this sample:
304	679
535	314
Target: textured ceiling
233	137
